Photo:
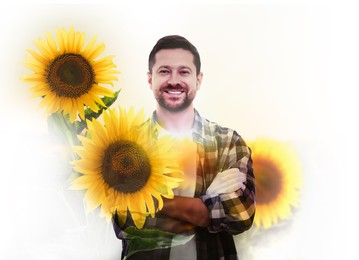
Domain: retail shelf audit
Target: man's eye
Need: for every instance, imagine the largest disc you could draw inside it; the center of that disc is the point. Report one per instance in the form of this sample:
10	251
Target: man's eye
163	71
185	72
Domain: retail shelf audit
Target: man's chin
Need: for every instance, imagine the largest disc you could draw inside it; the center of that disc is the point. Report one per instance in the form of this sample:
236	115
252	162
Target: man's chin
175	108
174	105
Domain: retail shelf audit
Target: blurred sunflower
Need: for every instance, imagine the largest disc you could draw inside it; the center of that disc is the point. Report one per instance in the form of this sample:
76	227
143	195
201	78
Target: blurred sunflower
277	173
68	75
123	168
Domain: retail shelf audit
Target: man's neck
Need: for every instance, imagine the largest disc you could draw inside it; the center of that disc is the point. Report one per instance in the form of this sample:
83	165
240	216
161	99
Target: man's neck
176	122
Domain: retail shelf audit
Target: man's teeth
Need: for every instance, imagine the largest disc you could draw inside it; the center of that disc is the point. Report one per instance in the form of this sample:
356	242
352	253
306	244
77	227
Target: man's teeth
175	92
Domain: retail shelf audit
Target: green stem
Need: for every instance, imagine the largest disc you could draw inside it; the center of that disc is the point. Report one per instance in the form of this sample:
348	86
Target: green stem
64	131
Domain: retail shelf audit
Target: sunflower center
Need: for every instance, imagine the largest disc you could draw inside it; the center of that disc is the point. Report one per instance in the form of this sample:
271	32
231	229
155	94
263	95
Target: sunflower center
268	180
126	167
70	75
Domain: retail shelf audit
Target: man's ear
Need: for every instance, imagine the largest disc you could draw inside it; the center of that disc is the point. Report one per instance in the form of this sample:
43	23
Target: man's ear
149	79
199	80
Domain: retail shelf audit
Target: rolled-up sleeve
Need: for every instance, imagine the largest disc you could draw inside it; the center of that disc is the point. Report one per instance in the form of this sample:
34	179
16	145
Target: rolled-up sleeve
233	212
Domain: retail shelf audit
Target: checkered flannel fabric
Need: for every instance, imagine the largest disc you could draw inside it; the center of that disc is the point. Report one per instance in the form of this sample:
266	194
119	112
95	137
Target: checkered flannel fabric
219	149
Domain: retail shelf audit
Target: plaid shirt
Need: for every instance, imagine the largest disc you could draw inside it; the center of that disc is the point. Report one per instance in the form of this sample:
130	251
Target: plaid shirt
219	149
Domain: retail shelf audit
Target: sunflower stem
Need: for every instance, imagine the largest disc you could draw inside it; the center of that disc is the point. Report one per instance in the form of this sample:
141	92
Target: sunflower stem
64	131
150	239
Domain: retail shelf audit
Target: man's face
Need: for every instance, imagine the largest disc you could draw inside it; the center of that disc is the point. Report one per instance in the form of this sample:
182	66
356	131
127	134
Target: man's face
173	79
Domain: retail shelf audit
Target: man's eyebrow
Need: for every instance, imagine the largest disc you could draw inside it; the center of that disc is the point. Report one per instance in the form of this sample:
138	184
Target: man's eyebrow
185	67
164	66
179	67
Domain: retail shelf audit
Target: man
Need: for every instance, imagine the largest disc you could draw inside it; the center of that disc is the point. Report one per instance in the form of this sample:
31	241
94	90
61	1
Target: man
218	198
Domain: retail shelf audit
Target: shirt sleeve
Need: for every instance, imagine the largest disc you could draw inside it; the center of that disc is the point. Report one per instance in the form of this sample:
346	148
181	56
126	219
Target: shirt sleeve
233	212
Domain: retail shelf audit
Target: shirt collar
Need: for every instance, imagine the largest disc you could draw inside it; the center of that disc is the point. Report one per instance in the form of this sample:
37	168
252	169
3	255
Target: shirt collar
197	130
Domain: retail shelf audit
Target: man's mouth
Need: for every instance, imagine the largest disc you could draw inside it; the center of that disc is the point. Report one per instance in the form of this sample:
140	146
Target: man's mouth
174	92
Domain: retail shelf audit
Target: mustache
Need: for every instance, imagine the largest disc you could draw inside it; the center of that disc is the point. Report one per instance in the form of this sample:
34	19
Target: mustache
177	87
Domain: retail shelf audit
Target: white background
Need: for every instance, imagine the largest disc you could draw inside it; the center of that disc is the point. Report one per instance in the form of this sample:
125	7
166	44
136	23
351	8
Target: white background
282	71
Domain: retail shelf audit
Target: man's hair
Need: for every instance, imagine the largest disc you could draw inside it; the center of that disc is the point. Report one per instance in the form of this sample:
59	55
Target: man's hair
174	42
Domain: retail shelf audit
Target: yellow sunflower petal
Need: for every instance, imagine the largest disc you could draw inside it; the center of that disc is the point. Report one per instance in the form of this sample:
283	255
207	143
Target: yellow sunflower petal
84	182
51	65
277	172
80	42
71	39
121	208
44	48
60	40
147	197
38	57
94	195
96	51
51	42
109	155
89	46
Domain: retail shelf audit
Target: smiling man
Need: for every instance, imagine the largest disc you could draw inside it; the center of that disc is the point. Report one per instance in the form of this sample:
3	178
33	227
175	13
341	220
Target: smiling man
174	81
217	198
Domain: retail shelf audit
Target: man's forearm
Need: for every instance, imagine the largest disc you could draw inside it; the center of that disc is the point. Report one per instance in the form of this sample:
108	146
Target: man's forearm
191	210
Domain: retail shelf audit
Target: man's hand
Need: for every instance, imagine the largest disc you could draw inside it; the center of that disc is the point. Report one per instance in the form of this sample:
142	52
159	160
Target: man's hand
188	210
226	182
175	226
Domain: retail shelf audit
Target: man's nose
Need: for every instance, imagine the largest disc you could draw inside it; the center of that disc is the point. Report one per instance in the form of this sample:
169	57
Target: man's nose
174	79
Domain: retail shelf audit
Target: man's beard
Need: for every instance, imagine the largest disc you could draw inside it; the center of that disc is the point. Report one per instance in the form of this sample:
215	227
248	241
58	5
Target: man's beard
186	102
177	108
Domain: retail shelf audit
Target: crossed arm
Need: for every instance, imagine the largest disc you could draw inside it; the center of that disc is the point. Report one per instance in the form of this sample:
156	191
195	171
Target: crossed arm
185	213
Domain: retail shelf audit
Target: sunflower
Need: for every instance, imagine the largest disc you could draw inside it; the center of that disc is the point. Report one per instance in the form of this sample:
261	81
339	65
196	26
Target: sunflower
123	169
68	75
278	181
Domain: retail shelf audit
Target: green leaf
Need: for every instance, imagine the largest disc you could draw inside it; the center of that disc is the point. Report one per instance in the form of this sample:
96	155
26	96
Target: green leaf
90	114
60	127
150	239
108	101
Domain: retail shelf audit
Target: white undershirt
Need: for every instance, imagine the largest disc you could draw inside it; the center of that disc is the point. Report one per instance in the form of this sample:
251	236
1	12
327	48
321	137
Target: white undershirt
188	162
187	154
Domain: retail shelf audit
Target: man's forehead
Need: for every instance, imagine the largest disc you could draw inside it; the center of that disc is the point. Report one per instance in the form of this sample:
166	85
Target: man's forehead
174	56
